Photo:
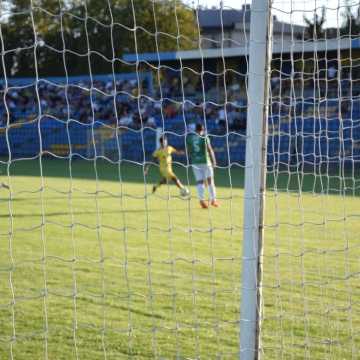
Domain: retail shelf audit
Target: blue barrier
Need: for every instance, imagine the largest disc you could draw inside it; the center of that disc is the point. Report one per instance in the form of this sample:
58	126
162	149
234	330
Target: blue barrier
311	141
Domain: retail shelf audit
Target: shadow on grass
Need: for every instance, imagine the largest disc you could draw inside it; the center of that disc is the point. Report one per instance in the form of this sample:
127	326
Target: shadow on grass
283	179
76	213
106	171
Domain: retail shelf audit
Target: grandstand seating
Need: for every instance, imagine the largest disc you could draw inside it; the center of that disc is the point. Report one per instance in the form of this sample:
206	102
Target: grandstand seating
303	131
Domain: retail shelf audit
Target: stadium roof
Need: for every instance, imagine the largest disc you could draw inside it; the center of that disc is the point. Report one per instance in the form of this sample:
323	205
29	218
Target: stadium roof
296	46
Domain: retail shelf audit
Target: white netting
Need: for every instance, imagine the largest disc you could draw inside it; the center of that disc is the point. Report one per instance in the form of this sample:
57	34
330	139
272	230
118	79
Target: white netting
311	241
92	264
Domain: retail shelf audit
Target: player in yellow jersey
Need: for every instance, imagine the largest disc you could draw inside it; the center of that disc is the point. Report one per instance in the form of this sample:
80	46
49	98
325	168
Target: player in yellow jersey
163	155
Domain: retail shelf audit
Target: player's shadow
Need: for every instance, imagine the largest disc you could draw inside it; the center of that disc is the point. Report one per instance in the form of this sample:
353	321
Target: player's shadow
51	214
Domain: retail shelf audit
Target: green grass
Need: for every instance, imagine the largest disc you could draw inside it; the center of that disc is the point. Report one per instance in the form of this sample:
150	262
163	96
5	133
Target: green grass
90	267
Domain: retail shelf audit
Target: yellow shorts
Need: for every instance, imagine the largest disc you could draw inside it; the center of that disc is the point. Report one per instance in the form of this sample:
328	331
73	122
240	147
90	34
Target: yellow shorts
167	173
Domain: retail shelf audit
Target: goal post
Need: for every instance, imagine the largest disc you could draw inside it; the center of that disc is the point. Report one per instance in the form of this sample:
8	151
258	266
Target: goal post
255	178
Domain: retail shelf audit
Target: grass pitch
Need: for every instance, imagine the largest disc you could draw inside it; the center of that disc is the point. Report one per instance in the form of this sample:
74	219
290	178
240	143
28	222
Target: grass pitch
93	266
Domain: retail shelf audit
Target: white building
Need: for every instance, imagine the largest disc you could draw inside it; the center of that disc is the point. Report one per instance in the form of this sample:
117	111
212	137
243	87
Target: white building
233	26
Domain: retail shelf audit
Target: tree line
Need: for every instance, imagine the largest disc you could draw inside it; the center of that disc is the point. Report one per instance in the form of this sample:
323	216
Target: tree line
73	37
58	37
349	24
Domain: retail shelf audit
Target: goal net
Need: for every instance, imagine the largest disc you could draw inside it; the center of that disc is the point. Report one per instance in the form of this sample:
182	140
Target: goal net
310	266
94	263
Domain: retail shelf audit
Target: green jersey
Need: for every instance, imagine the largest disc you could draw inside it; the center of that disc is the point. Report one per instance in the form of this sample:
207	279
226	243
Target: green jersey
197	147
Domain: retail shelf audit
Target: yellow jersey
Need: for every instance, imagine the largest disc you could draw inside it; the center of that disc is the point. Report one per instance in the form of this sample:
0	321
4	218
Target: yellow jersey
163	155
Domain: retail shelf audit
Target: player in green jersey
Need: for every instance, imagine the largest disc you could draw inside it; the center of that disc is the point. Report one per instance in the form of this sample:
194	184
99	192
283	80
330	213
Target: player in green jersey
203	160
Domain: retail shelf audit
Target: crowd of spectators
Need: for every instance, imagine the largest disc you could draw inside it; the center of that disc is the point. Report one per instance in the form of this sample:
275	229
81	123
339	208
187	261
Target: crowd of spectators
119	104
83	101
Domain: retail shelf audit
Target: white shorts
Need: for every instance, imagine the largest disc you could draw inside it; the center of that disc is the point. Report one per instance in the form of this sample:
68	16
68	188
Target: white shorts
203	171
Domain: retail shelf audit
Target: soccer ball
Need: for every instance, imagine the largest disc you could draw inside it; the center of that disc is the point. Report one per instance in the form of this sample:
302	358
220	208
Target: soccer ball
184	192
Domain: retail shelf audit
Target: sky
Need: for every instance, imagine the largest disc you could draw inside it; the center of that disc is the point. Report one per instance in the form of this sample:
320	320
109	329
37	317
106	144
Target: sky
292	10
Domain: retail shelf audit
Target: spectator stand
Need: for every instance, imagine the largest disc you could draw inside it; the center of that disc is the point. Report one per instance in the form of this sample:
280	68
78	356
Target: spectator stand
75	115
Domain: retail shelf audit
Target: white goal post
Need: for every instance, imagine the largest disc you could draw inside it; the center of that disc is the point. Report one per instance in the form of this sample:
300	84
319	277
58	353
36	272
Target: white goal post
255	178
104	142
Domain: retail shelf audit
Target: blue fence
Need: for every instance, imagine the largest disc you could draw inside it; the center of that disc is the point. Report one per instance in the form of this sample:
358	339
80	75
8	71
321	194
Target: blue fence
303	140
87	141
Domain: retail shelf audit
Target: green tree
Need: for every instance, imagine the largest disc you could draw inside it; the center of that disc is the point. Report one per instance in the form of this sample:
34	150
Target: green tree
77	37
